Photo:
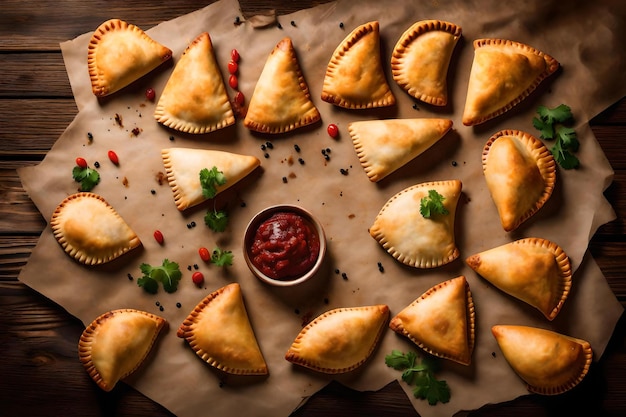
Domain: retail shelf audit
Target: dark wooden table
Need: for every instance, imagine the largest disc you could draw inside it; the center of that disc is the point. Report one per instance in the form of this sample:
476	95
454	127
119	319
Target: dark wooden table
39	371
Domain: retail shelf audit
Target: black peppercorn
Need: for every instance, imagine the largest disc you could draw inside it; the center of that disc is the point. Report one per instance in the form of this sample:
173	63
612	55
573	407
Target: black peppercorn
296	147
96	164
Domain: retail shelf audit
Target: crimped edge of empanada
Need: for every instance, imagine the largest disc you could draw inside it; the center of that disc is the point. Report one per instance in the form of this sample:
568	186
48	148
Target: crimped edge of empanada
406	39
545	162
77	253
87	338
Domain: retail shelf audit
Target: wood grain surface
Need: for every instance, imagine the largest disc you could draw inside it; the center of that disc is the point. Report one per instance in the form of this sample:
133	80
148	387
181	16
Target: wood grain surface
39	371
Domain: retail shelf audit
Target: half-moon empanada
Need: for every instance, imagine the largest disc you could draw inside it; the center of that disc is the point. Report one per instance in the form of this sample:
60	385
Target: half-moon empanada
520	173
339	340
90	230
355	78
383	146
120	53
421	57
219	331
441	321
410	237
281	100
194	99
503	74
550	363
533	270
183	166
115	344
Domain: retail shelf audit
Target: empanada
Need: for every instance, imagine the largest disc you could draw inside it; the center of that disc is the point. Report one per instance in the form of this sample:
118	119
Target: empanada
355	78
550	363
441	321
90	230
520	173
412	239
533	270
281	100
120	53
115	344
183	166
339	340
383	146
219	331
503	74
421	57
194	99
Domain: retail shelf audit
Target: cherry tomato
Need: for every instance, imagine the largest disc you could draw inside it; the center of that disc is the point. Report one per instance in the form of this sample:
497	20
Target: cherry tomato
333	130
232	67
197	278
113	157
158	236
233	82
239	98
234	55
150	94
81	162
205	255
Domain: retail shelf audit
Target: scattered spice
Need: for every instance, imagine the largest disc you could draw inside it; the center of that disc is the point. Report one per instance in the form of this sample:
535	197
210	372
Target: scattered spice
204	253
237	21
344	276
301	161
130	276
233	81
81	162
266	155
415	107
178	305
380	267
343	171
125	182
296	147
340	25
153	191
232	67
172	138
293	23
454	163
196	267
150	94
279	25
89	136
136	131
161	177
234	54
113	157
118	120
333	130
158	236
285	180
96	164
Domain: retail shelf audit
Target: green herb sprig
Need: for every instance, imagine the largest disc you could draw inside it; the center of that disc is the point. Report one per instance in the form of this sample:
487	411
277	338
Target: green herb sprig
216	220
432	204
167	274
221	257
87	177
552	125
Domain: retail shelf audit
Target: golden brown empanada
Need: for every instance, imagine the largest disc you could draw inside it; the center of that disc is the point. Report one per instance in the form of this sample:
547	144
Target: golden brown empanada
412	239
533	270
354	76
115	344
281	100
421	57
503	74
441	321
183	166
120	53
550	363
520	173
194	99
383	146
90	230
339	340
219	331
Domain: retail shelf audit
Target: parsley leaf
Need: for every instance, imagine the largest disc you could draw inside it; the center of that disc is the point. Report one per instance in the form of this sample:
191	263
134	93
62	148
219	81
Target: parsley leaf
216	220
420	373
210	180
222	257
551	125
167	274
433	204
87	177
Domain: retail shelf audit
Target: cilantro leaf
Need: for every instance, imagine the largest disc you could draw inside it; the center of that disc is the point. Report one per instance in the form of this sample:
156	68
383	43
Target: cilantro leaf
551	125
216	220
433	204
210	180
546	129
148	284
567	137
87	177
560	114
167	274
221	257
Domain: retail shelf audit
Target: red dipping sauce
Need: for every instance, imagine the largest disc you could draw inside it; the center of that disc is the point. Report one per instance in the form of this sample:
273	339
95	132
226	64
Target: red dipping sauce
285	246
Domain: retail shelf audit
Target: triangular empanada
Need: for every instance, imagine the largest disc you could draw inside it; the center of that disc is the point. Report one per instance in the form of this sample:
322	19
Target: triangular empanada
441	321
183	166
383	146
410	237
339	340
90	230
533	270
281	100
219	331
550	363
520	173
421	57
115	344
503	74
120	53
355	78
194	99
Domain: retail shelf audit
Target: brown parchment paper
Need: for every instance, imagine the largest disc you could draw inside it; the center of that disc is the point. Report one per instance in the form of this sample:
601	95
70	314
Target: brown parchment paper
586	39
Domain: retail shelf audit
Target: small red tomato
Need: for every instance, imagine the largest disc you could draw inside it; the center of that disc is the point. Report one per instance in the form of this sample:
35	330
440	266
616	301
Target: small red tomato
233	82
232	67
81	162
239	98
333	130
234	55
205	255
150	94
158	236
197	278
113	157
